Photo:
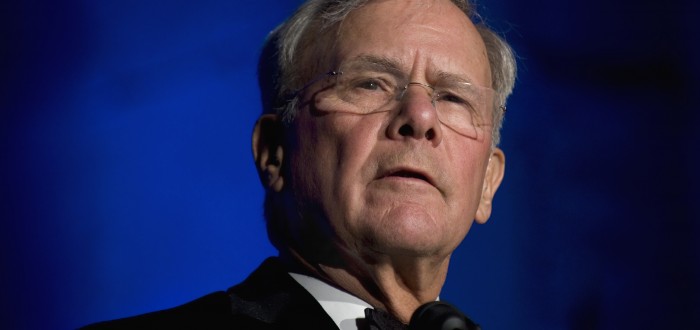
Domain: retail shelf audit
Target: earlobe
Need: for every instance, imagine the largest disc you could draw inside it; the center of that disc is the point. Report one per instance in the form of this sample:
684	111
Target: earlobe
492	180
268	152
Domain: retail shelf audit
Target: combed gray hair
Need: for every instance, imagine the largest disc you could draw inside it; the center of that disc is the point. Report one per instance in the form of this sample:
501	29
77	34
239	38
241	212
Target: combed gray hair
303	34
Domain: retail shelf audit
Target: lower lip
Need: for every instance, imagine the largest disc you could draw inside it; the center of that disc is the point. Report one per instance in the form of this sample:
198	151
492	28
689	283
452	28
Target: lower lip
405	180
402	187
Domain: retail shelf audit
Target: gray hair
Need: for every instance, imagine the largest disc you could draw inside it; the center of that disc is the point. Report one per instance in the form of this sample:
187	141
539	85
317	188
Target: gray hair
302	35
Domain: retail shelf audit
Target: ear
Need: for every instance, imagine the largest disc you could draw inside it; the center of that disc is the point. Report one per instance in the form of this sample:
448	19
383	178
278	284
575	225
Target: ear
493	178
268	152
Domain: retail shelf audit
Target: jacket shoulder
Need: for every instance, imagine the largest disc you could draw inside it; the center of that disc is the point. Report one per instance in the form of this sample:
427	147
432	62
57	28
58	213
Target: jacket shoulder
209	312
268	299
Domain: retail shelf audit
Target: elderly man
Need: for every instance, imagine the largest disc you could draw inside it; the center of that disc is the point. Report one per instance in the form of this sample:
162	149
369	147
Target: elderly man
377	150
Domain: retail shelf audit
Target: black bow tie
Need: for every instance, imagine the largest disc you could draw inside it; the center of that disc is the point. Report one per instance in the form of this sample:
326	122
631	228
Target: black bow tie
435	315
381	320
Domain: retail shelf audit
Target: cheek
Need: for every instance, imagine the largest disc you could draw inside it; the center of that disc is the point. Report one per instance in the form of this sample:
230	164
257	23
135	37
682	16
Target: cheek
310	155
355	139
469	161
329	155
465	168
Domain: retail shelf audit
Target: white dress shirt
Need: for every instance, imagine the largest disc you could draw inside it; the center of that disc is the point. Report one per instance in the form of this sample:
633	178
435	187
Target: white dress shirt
341	306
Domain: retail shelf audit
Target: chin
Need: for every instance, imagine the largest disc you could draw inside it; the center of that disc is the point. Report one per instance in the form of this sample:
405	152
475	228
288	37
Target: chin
395	243
408	229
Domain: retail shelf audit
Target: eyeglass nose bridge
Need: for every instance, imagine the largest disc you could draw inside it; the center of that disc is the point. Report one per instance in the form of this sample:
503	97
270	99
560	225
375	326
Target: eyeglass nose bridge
430	89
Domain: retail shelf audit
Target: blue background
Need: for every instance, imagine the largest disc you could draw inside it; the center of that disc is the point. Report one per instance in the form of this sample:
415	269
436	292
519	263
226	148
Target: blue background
128	186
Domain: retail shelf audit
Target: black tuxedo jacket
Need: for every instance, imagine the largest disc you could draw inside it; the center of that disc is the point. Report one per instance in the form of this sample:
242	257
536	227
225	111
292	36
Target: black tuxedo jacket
268	299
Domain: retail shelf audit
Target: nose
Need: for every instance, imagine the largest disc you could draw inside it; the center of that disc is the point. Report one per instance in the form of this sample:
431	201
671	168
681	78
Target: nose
417	117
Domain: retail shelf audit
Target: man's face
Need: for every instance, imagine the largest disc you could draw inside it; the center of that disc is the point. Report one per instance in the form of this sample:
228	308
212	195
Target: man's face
397	182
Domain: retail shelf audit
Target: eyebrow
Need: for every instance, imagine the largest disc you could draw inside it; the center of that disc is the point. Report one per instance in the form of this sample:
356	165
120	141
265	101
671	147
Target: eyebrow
377	63
393	66
453	78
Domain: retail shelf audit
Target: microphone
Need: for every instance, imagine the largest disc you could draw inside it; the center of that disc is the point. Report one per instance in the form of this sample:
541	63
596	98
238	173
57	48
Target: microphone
439	315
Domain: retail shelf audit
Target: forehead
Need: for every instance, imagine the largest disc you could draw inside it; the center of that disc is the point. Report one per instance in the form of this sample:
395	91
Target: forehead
427	36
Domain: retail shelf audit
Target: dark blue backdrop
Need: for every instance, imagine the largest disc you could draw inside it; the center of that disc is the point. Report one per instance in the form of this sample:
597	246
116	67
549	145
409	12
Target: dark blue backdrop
128	186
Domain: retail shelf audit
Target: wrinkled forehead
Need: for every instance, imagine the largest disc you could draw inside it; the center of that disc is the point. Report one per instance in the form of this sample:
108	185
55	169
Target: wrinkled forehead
431	36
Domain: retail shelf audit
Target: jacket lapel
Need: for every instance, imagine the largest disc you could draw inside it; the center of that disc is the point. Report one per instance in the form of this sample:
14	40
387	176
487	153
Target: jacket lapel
273	299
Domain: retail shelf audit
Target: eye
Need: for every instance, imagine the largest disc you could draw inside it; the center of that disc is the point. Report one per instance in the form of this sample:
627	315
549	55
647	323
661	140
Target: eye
368	84
452	98
456	103
362	81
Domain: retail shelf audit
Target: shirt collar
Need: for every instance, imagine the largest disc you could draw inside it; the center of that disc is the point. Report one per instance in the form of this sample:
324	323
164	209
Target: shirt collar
341	306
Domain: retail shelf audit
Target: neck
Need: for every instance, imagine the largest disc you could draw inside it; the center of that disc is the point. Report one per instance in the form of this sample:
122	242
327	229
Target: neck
398	285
